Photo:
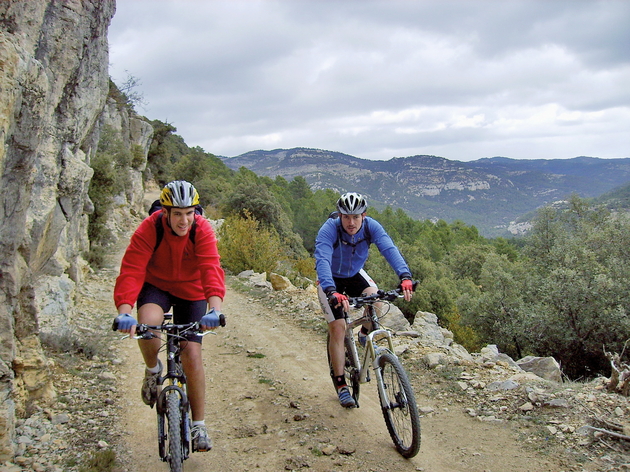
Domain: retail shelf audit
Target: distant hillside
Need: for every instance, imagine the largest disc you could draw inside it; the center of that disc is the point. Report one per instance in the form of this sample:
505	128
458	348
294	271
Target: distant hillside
488	193
617	199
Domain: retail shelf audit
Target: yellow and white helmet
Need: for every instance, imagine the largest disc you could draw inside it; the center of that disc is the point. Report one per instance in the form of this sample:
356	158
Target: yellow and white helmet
179	194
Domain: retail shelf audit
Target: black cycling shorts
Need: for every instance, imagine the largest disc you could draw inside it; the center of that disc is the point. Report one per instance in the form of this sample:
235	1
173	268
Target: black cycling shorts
352	287
184	311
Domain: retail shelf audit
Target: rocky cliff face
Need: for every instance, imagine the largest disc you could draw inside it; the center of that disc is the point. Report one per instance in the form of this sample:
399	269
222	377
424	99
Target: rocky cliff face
53	90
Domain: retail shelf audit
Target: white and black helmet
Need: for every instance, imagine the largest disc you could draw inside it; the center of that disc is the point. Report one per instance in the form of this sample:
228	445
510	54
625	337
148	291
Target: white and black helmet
352	203
180	194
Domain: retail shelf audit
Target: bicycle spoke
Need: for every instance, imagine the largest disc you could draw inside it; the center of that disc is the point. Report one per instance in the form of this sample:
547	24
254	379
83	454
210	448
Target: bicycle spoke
400	411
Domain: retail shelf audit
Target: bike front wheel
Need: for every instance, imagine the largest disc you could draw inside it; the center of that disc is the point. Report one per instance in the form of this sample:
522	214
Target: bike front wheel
174	419
351	368
399	407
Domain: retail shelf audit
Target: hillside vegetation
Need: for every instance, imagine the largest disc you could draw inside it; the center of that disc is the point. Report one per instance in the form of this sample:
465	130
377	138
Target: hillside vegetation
490	193
561	291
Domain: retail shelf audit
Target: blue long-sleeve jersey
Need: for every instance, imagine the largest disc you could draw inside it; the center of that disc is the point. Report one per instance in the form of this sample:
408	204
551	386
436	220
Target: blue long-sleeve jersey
337	254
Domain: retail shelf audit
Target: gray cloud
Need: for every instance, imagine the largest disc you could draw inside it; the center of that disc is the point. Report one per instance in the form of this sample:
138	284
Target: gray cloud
377	79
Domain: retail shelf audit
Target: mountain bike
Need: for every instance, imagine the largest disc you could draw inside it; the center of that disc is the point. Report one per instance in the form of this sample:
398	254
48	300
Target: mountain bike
172	406
397	399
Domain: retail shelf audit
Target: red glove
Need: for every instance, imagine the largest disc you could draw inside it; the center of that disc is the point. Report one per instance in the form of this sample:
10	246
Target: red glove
335	299
406	285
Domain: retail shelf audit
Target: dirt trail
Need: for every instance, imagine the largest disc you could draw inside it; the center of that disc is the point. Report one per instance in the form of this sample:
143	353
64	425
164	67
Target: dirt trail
279	412
270	406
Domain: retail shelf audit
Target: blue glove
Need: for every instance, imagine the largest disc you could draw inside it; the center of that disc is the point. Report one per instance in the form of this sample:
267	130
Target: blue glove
210	320
124	322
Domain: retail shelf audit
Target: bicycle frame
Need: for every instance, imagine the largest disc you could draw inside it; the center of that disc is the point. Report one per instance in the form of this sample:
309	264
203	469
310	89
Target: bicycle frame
174	379
172	409
395	391
370	356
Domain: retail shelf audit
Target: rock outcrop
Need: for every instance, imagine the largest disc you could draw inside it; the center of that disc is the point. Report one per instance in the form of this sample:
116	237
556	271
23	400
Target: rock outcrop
53	88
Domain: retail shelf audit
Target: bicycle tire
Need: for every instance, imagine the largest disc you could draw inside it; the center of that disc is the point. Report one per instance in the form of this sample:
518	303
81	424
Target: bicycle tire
174	418
401	415
351	369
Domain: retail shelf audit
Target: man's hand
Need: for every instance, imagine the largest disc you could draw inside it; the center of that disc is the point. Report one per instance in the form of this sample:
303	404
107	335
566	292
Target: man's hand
406	286
335	299
125	323
210	320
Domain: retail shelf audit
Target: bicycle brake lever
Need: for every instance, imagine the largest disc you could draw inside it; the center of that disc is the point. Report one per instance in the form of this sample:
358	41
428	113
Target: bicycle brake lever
205	333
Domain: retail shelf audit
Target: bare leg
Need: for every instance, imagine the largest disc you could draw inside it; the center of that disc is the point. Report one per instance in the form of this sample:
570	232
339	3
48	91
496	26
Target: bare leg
151	314
337	330
196	379
371	291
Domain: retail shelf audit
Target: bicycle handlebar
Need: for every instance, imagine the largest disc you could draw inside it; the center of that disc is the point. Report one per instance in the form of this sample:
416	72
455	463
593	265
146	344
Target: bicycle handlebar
142	329
392	295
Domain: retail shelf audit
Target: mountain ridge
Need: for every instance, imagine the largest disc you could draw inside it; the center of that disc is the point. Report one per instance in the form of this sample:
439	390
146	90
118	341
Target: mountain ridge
489	193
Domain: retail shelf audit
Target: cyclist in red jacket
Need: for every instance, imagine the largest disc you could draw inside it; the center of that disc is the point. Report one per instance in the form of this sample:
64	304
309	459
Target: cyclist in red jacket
182	274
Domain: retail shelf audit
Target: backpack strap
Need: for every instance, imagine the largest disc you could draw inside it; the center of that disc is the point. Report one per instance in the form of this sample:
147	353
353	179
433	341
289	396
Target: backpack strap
192	232
336	243
159	232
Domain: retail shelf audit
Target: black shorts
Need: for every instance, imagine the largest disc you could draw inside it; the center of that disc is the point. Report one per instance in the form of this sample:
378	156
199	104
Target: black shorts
184	311
352	286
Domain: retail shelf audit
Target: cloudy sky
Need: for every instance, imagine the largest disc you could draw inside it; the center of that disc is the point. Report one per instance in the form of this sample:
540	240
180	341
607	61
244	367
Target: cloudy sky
461	79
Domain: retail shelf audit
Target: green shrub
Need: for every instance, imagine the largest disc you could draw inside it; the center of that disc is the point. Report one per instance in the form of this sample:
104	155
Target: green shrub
245	244
137	156
111	177
305	267
462	334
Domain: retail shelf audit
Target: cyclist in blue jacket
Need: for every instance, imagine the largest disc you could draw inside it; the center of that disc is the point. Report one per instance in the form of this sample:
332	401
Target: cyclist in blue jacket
341	249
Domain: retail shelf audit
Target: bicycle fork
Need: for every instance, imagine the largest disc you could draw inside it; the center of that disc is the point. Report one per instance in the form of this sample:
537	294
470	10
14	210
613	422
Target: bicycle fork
372	352
161	412
176	380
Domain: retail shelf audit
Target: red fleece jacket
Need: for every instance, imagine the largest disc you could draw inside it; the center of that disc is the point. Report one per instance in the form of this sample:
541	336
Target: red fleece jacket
185	270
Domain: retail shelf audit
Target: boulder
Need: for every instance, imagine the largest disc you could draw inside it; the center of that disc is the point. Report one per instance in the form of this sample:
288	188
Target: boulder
544	367
280	282
430	332
395	320
491	353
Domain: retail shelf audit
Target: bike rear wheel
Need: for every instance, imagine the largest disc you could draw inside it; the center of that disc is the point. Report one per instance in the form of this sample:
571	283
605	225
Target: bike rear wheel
174	419
400	413
351	369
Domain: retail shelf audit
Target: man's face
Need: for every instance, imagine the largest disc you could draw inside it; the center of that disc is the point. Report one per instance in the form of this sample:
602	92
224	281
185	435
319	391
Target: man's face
352	223
181	219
